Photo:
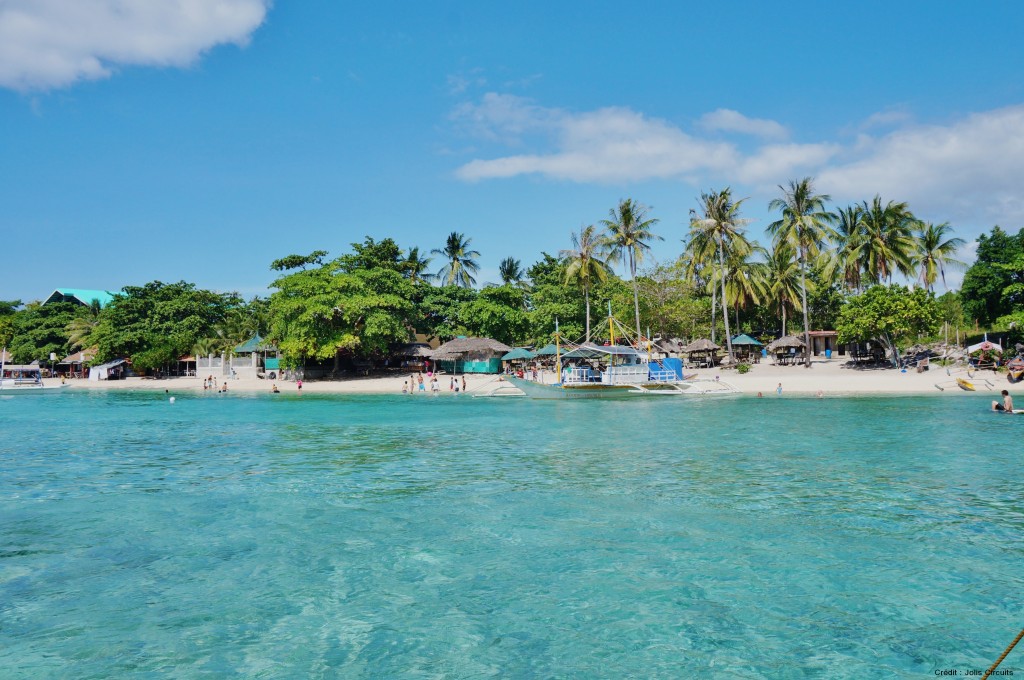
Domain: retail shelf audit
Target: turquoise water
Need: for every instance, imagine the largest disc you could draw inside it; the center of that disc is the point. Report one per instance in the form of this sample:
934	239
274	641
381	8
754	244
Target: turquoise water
314	536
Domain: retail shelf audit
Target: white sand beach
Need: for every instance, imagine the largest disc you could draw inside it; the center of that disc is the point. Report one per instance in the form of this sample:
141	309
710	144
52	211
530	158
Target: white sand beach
831	377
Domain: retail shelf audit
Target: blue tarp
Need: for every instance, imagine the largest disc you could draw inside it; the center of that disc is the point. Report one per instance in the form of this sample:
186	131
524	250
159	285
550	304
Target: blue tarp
670	364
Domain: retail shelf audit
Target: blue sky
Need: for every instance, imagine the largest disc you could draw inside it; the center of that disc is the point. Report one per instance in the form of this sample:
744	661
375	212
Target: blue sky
201	139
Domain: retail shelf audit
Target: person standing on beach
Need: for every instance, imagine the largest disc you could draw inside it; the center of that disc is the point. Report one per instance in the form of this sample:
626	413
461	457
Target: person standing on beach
298	383
463	383
778	390
434	386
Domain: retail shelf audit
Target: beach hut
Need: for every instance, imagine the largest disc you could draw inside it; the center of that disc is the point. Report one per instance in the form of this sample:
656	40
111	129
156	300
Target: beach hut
701	353
519	353
471	355
786	349
74	364
747	348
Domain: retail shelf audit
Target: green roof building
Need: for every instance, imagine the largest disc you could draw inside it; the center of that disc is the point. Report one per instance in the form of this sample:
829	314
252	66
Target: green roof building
81	296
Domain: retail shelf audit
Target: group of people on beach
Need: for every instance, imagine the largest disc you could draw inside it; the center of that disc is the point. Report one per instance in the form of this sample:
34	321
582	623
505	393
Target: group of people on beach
417	383
211	383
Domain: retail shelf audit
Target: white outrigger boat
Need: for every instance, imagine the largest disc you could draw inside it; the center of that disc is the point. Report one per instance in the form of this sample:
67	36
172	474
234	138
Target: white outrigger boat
22	379
622	371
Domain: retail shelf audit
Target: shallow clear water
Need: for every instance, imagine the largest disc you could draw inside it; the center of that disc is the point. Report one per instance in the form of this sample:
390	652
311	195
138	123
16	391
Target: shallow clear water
315	536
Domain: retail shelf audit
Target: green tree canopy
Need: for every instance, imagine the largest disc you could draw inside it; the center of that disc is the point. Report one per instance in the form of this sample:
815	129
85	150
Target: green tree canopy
985	283
157	323
890	314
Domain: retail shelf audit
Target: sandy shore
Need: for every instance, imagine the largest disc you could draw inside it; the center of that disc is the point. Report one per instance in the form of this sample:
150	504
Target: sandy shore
831	377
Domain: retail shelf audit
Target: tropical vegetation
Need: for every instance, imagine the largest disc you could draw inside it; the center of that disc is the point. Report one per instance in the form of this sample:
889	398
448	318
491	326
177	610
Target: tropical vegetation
868	270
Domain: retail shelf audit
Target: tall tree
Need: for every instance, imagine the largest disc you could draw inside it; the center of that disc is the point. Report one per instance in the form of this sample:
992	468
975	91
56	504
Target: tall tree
888	240
511	271
460	261
720	226
846	260
415	266
584	264
628	234
934	253
985	281
805	224
783	278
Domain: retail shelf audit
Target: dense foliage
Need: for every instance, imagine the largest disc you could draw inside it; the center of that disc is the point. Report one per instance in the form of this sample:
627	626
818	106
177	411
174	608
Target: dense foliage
825	268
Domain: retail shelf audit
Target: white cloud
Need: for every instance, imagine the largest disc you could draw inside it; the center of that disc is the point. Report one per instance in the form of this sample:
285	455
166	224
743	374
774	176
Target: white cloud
775	163
970	170
54	43
727	120
606	145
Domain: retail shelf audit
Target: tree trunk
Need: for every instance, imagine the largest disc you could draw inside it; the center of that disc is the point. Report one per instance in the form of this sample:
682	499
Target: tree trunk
803	298
714	307
586	296
725	311
636	295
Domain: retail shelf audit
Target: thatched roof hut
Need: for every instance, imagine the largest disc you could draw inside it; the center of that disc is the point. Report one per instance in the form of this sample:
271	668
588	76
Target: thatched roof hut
472	355
702	345
785	342
471	346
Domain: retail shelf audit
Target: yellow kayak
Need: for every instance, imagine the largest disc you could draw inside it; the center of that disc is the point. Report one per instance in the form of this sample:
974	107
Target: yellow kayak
965	385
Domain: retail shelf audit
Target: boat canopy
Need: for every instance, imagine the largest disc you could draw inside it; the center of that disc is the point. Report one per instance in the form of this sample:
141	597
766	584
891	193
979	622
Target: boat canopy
598	351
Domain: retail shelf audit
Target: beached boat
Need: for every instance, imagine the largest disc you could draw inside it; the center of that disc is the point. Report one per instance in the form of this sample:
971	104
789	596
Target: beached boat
22	379
617	371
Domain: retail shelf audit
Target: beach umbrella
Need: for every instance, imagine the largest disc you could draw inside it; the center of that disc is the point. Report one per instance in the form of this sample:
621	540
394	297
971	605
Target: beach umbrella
518	353
745	339
546	350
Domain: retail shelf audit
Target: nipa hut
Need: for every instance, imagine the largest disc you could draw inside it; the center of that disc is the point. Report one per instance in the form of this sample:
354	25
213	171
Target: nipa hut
470	355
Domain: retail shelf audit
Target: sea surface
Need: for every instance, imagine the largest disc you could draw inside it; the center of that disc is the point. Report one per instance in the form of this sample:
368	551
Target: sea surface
267	536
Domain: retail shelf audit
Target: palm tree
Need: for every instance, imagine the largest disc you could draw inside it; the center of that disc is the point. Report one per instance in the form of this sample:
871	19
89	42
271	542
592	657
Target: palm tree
889	243
804	225
511	271
720	228
629	230
460	264
782	276
80	329
849	236
415	266
745	278
933	254
585	266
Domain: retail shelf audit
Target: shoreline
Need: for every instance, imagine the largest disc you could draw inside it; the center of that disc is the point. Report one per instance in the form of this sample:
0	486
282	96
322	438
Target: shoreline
832	377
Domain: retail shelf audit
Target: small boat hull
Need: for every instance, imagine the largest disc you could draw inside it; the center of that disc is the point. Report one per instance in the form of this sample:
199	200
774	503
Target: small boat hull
603	391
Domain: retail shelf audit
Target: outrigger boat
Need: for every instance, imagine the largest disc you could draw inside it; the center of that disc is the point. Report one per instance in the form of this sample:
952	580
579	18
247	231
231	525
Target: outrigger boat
21	379
622	371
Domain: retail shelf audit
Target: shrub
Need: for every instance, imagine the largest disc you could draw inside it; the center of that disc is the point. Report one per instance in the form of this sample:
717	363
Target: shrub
742	368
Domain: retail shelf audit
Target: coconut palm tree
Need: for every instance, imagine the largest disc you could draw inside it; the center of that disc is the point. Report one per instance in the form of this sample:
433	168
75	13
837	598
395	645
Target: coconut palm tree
849	236
415	266
782	276
720	228
889	242
460	262
934	252
629	231
511	271
805	224
80	329
585	266
745	278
